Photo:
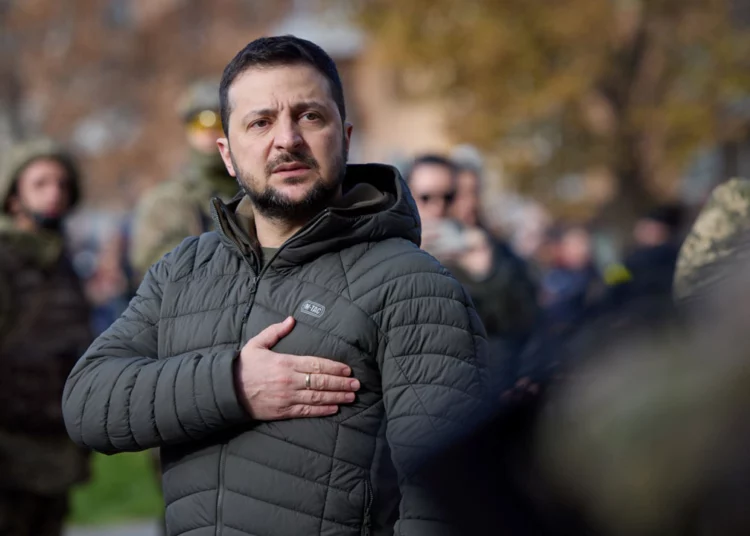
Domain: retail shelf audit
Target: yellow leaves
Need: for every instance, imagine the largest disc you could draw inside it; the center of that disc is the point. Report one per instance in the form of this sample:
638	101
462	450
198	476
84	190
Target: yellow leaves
642	78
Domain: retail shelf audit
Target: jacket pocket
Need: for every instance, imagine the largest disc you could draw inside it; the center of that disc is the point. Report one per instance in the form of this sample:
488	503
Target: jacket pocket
367	510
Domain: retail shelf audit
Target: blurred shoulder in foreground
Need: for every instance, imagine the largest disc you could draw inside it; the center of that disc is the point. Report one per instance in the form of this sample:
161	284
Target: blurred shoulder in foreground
712	237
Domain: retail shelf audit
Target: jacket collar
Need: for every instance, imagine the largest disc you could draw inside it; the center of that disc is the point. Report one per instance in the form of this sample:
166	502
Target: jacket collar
376	206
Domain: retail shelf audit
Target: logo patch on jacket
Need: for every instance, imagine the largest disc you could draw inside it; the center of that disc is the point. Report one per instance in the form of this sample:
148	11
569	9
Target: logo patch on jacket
313	309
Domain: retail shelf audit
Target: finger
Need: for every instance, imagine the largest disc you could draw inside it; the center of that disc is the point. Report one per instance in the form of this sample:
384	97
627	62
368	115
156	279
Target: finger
318	365
273	334
301	411
326	382
322	398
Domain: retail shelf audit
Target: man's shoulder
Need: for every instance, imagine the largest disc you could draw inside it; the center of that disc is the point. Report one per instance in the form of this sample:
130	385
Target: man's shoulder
175	189
727	210
401	265
193	253
22	249
725	216
394	252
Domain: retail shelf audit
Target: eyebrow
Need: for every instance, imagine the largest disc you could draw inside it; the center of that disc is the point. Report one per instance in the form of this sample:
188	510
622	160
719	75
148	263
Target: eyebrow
272	112
304	105
257	113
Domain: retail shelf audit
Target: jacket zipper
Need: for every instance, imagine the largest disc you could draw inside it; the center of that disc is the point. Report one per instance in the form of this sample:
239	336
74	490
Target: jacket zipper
223	452
245	317
367	521
220	495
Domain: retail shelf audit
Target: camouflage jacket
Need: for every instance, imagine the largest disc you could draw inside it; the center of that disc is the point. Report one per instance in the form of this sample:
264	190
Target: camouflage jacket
44	328
174	210
712	237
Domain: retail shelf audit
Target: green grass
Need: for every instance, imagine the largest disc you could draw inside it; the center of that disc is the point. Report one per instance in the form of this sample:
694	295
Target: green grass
122	488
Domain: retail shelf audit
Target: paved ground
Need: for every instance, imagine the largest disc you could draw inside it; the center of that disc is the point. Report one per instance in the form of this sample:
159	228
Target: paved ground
141	529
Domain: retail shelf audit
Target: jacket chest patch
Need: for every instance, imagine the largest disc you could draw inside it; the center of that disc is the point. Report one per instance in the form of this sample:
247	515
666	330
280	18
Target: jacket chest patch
312	308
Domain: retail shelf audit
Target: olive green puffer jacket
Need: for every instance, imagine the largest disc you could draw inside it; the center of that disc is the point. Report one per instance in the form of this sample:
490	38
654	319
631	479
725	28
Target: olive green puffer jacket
362	293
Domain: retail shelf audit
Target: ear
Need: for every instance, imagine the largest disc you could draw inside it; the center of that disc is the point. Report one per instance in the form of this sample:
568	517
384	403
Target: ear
226	155
348	127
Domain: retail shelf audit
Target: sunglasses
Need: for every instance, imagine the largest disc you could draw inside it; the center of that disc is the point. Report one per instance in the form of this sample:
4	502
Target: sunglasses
447	198
205	120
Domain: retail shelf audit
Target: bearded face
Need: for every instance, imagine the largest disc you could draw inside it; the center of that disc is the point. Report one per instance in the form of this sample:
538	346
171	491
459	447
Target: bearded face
287	144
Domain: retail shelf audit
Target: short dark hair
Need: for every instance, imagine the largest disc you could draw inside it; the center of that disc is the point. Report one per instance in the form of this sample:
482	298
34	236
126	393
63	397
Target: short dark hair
432	160
276	51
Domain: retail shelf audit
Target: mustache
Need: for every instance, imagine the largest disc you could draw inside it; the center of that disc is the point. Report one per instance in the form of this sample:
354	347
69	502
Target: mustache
290	158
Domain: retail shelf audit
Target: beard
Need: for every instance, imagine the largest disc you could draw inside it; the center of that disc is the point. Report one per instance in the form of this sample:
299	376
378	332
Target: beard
275	205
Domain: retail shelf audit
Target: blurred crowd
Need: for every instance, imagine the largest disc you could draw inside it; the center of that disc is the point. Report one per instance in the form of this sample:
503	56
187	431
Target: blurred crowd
619	405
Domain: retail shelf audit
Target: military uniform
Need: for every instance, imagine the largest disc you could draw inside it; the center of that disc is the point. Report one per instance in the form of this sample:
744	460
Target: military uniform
179	207
44	328
176	209
712	237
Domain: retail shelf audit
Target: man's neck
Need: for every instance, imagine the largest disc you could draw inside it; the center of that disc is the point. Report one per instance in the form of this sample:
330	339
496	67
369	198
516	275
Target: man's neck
273	233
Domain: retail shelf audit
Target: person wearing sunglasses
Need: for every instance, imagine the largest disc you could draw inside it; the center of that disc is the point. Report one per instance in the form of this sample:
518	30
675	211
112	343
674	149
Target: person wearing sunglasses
179	207
497	280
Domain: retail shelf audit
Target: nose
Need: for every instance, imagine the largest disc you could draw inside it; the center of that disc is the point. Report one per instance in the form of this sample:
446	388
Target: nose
432	209
288	137
439	209
58	196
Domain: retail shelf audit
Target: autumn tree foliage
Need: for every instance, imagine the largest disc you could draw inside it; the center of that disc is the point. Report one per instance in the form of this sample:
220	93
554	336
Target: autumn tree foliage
630	87
104	76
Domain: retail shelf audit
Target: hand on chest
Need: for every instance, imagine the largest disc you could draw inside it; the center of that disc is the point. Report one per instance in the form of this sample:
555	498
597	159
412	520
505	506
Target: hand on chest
230	310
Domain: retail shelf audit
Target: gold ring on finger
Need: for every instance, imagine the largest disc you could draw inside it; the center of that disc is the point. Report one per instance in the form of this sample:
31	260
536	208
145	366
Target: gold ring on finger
307	381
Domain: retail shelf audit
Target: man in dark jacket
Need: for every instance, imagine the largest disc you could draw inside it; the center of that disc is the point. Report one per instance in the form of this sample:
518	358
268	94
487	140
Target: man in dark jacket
312	299
497	280
44	326
652	262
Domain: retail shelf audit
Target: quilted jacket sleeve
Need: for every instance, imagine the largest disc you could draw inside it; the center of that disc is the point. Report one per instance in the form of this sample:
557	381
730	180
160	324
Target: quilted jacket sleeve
435	388
119	397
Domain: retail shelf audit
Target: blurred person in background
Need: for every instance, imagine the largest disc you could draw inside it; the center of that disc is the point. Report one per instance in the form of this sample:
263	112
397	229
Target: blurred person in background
467	204
639	290
107	287
572	282
648	434
651	264
448	201
179	207
505	295
44	326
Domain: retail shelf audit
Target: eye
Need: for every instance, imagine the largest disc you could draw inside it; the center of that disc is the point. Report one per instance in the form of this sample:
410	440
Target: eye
259	123
311	116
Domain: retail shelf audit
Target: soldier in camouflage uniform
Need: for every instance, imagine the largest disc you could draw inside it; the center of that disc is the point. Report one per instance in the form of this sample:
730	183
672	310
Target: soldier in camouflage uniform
179	207
723	219
44	328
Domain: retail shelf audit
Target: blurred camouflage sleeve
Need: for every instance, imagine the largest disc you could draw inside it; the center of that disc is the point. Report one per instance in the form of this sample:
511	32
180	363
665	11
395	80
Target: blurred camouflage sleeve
163	219
712	237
